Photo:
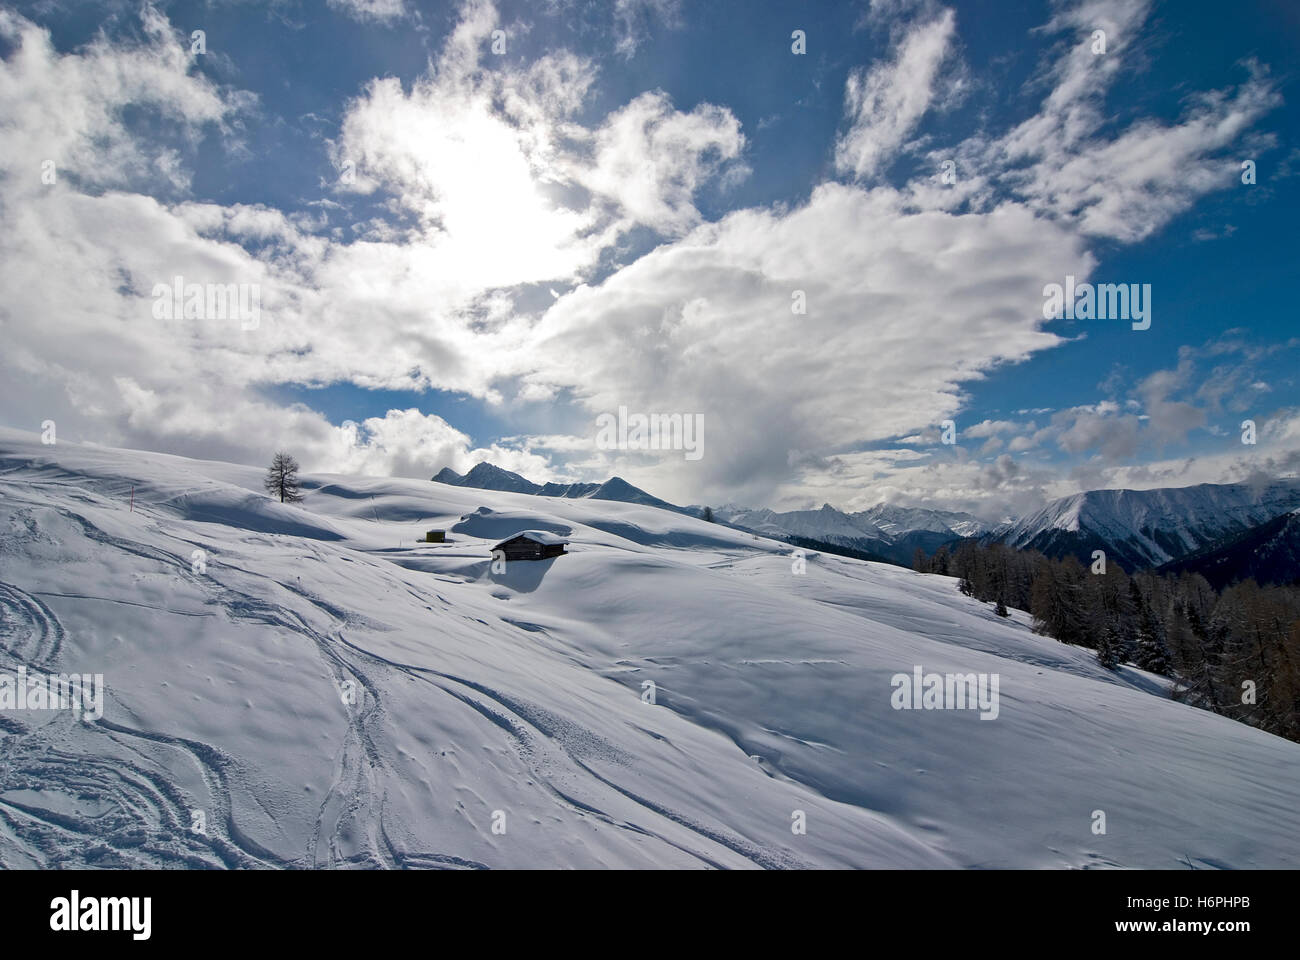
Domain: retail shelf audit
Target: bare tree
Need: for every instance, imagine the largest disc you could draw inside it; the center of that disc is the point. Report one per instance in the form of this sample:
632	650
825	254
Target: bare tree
282	479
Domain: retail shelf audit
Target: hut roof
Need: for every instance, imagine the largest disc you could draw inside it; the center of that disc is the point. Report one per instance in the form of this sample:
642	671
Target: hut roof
538	536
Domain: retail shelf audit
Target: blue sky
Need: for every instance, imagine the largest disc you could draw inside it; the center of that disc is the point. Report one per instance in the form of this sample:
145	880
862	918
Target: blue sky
616	211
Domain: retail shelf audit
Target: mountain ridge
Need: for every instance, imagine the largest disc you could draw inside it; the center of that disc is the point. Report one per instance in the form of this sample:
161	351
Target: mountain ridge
1138	529
1148	528
488	476
1268	554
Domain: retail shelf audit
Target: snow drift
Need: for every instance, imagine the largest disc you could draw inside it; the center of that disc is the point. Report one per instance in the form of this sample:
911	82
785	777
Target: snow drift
307	686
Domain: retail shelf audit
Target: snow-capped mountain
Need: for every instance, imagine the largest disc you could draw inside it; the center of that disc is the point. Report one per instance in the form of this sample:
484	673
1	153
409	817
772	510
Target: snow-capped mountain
827	524
888	532
670	693
1136	528
1146	528
884	532
1267	554
486	476
908	528
897	522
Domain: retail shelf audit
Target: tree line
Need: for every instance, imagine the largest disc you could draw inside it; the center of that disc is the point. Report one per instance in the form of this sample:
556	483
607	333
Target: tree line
1235	652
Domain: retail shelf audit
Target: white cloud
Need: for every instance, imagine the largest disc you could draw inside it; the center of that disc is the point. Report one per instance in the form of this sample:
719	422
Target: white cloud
469	151
69	109
650	159
382	11
408	443
884	104
484	165
633	20
489	272
882	351
990	428
1067	162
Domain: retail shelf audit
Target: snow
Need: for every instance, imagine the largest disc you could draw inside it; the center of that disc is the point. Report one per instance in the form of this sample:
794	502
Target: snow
487	476
539	536
827	524
1161	524
523	693
895	522
868	529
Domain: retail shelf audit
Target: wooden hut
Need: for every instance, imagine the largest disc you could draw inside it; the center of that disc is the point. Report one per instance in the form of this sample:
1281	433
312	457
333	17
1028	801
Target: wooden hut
531	545
436	536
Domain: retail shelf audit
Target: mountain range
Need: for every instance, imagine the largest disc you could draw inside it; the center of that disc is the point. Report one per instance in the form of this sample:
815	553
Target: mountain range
1268	553
1149	528
486	476
1225	531
884	532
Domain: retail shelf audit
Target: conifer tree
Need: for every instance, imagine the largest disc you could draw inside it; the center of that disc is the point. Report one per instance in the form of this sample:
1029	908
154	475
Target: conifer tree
940	562
1109	648
1151	653
282	479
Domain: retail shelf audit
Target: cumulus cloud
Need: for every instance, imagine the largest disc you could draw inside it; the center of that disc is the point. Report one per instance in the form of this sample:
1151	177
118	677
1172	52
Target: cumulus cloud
1103	429
650	159
1169	420
68	110
406	442
425	298
704	325
488	262
990	428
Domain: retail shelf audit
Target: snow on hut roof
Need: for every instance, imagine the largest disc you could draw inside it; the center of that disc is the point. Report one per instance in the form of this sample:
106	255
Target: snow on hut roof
539	536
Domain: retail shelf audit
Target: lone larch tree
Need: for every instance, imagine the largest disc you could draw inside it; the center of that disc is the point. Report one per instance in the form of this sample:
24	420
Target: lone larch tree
282	479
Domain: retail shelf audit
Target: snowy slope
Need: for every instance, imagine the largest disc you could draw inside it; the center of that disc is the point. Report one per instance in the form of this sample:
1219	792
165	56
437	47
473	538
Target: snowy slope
521	692
1144	528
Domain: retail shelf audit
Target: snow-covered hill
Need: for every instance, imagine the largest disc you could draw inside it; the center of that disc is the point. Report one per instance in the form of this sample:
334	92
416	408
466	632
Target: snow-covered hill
1146	528
231	630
